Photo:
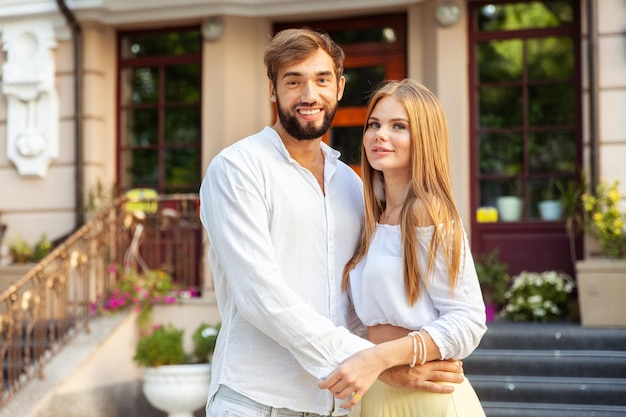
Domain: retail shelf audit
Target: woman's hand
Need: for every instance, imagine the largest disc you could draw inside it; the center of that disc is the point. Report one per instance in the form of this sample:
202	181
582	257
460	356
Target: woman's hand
426	377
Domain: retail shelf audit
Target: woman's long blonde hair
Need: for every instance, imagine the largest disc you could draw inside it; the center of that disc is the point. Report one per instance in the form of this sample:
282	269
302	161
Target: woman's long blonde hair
429	190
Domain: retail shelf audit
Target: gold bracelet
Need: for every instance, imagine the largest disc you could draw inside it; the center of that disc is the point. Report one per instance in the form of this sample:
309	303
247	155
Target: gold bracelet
412	335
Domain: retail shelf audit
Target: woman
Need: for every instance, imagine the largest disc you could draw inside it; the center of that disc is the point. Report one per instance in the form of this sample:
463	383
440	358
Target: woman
413	272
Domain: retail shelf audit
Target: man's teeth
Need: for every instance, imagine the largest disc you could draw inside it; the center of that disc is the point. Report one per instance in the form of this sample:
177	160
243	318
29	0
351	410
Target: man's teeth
309	112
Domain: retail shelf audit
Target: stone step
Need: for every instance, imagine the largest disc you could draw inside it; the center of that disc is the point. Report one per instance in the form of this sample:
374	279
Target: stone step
559	363
550	390
551	336
512	409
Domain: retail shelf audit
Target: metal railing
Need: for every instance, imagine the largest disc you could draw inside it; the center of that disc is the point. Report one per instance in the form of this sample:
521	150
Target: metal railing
42	310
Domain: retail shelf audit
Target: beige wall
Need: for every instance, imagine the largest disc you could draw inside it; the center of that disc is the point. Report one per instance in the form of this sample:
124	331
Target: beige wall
611	65
435	55
610	56
235	101
32	205
99	118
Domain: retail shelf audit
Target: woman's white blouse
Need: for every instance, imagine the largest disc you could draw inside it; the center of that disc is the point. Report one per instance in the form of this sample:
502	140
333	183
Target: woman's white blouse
454	319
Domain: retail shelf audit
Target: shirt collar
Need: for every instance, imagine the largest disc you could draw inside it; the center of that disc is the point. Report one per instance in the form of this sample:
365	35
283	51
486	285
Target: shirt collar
330	155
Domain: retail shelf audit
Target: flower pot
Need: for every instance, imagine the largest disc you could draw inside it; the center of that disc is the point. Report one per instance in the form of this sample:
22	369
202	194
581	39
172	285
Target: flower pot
178	390
550	210
509	208
601	289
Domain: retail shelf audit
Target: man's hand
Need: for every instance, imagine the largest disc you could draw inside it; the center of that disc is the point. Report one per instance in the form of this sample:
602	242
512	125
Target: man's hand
427	377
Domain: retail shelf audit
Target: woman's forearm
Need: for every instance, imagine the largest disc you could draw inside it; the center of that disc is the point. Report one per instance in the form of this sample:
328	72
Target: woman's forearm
386	332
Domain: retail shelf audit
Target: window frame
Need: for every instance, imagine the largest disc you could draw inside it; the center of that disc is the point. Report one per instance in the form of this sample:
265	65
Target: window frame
161	62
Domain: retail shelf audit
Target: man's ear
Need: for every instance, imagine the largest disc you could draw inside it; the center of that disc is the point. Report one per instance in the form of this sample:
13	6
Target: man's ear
272	93
341	85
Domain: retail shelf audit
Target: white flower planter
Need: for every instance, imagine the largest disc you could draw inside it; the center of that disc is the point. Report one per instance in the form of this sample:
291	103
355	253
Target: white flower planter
179	390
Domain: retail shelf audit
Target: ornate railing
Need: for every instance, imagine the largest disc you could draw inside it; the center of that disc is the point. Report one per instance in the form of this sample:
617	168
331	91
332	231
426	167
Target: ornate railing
42	310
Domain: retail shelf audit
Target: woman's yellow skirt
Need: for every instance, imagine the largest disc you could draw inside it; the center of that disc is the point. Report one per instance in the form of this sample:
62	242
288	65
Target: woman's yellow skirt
383	400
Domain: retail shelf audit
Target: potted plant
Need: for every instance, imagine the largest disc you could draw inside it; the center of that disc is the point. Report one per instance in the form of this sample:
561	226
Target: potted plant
17	257
176	381
494	278
22	252
602	279
544	296
510	205
570	200
550	207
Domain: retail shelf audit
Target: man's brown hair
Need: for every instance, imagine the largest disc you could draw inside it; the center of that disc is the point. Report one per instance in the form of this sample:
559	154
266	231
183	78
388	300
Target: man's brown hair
294	45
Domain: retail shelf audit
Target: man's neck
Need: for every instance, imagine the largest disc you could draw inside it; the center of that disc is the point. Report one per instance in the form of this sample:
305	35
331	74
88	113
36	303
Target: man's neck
306	152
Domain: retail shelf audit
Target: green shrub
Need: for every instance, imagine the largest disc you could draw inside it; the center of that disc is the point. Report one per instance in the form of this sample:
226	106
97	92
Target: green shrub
493	277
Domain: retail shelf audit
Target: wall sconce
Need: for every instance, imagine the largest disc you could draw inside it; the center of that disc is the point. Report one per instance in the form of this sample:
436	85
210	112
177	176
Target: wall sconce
447	13
213	29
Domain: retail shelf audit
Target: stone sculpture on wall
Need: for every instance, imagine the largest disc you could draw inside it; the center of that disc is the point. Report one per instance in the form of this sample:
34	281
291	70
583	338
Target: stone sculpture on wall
28	82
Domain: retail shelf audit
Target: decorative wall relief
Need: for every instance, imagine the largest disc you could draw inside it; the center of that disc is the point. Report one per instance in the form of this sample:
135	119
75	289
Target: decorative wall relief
28	82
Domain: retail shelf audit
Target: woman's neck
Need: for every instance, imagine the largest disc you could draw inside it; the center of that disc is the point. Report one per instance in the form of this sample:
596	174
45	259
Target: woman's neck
395	196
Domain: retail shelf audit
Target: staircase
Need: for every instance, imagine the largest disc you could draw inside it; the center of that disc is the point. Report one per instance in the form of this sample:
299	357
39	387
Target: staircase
549	370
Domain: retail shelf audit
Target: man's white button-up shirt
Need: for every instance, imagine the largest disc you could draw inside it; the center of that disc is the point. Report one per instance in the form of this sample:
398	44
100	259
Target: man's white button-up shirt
278	245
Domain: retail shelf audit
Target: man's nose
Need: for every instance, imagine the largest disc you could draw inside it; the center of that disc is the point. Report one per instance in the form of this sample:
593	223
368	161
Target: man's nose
309	92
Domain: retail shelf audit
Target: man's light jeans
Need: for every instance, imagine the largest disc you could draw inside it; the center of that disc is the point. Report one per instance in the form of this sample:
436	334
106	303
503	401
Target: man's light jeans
228	403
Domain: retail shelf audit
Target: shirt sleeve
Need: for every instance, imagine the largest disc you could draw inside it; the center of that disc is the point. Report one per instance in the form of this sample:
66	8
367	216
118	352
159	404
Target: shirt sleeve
235	215
461	323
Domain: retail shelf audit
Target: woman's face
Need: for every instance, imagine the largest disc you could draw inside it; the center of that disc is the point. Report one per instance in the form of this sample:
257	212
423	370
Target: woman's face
387	138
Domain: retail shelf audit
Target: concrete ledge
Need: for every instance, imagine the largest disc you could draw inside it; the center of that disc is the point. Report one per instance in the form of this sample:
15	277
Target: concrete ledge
37	393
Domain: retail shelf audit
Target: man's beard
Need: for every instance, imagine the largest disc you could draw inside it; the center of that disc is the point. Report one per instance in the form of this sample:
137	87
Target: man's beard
309	131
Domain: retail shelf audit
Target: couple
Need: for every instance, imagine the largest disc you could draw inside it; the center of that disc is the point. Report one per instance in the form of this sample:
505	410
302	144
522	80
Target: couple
327	291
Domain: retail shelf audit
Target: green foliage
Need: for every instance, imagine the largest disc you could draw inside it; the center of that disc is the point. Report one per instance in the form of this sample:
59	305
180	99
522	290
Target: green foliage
42	248
493	277
162	346
204	339
22	252
538	296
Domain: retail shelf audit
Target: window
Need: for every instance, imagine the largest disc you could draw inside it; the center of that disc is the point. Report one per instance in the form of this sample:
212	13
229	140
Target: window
525	94
525	132
159	110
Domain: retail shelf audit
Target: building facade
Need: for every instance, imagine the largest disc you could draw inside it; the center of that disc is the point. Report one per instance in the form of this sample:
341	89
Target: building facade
103	96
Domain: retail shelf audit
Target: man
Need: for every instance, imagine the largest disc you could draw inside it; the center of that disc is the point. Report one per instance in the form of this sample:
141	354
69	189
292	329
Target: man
283	216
